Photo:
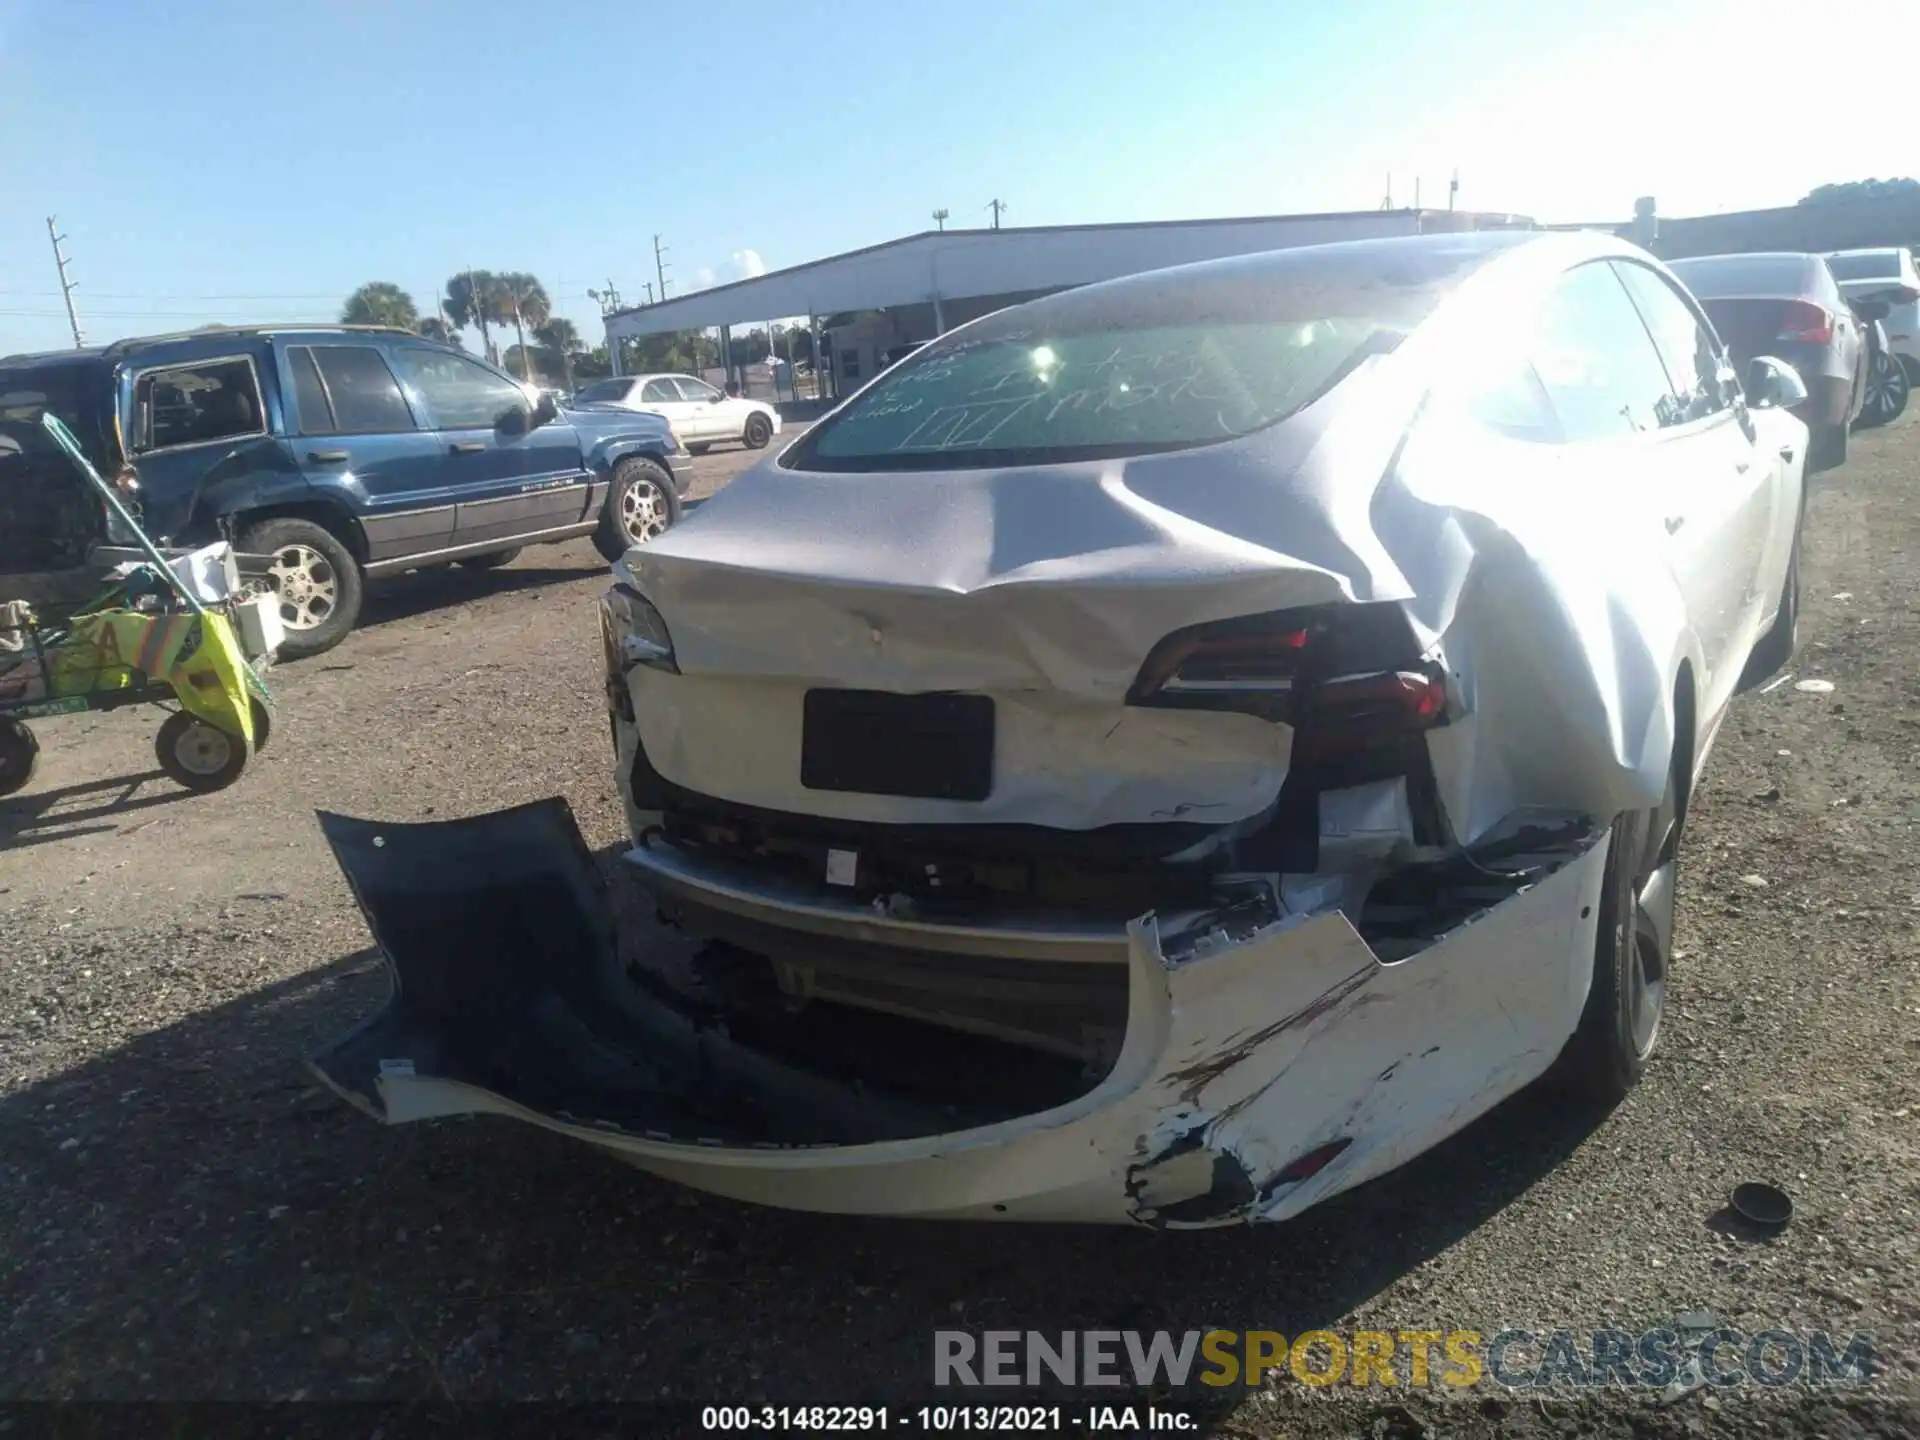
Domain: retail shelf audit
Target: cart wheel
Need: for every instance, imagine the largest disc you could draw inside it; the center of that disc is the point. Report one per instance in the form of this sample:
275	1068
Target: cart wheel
19	753
262	725
197	755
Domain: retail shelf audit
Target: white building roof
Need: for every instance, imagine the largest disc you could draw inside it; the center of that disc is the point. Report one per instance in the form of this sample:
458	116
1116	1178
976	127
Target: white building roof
957	264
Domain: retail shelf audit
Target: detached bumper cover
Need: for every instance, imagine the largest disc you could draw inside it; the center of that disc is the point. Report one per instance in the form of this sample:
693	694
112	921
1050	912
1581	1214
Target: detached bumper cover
1243	1053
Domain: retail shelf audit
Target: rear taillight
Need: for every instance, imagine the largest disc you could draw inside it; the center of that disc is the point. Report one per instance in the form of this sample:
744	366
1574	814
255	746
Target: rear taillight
1807	323
1346	677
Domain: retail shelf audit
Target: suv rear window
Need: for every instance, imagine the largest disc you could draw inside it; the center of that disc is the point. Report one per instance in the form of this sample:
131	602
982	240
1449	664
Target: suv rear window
1159	362
1880	264
1712	276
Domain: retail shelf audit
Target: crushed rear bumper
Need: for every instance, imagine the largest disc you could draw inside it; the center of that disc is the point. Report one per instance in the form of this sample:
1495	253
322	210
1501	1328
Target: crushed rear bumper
1262	1070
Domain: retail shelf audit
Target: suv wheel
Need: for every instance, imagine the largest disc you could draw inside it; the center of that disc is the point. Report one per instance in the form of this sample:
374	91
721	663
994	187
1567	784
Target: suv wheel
316	578
640	505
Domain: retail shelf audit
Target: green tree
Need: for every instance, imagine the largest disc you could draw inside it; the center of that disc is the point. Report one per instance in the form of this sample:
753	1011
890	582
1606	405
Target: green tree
436	328
1904	187
380	302
471	300
559	342
523	300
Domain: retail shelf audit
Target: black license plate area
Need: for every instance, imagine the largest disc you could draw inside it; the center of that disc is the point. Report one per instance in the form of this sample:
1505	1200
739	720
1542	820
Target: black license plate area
874	742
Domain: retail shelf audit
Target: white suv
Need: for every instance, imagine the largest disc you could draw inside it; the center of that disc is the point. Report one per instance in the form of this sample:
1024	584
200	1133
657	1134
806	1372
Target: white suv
1863	273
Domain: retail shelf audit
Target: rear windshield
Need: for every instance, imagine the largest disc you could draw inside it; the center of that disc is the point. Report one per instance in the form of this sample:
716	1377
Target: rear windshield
77	393
1881	264
604	390
1162	362
1744	274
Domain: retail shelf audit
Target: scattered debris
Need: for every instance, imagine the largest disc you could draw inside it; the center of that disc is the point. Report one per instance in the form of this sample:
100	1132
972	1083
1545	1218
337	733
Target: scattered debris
1773	685
1764	1206
1815	687
1756	882
1843	595
1768	796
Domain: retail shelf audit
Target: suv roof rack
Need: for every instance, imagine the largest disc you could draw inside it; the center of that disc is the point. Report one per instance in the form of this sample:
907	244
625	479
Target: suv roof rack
132	342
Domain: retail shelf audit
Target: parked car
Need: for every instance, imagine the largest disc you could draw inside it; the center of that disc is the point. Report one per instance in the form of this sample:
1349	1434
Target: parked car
1887	275
1789	305
1166	752
342	453
701	415
1887	383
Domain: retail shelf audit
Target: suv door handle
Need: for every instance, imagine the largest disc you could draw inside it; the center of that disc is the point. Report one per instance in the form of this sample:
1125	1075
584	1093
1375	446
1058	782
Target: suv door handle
328	457
467	447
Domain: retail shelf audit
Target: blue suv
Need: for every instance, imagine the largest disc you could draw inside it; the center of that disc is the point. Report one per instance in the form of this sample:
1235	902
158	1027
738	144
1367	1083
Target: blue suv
337	453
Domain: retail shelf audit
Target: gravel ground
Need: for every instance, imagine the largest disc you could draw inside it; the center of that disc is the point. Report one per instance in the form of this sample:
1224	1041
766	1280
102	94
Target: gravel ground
186	1215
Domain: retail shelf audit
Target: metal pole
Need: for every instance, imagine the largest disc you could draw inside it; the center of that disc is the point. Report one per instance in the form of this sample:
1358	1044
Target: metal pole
66	285
660	265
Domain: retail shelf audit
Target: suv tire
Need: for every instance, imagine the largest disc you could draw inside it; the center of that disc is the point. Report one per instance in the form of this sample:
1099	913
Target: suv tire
319	582
641	503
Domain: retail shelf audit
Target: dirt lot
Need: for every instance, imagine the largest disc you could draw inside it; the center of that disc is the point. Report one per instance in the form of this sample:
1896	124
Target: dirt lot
184	1214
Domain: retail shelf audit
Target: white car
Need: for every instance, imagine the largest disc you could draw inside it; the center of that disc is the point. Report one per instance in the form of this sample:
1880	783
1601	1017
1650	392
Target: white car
1165	753
1891	273
700	415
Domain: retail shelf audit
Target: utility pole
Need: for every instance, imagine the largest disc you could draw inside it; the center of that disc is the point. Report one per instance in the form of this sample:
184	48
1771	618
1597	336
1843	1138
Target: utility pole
649	285
996	206
660	265
66	285
940	217
1387	204
1453	189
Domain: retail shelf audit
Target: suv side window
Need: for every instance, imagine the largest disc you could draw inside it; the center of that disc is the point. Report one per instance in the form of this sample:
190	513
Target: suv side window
659	392
357	392
1596	359
197	403
697	391
1686	346
462	394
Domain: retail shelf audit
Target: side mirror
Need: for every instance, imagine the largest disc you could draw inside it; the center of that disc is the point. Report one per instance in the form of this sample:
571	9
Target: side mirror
1773	384
545	410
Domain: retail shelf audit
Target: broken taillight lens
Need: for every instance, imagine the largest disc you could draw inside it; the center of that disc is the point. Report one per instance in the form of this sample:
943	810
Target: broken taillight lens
1354	668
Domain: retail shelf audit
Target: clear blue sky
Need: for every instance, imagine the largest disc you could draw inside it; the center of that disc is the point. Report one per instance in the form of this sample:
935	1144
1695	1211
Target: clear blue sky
236	160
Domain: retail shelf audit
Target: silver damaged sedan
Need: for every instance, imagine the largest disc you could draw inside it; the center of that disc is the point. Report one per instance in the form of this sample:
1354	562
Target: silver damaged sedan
1165	753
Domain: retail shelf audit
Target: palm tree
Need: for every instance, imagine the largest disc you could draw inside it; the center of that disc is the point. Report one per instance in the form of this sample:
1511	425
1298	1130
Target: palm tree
469	301
380	302
524	300
435	328
560	337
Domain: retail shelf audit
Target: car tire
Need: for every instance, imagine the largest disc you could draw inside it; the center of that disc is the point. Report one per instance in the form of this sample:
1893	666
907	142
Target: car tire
317	579
19	756
1633	949
198	756
492	560
759	430
1774	651
1887	392
641	504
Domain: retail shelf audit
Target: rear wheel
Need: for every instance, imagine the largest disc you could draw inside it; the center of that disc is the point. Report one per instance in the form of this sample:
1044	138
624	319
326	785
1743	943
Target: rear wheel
19	754
641	504
1633	948
759	430
316	578
198	755
1887	391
